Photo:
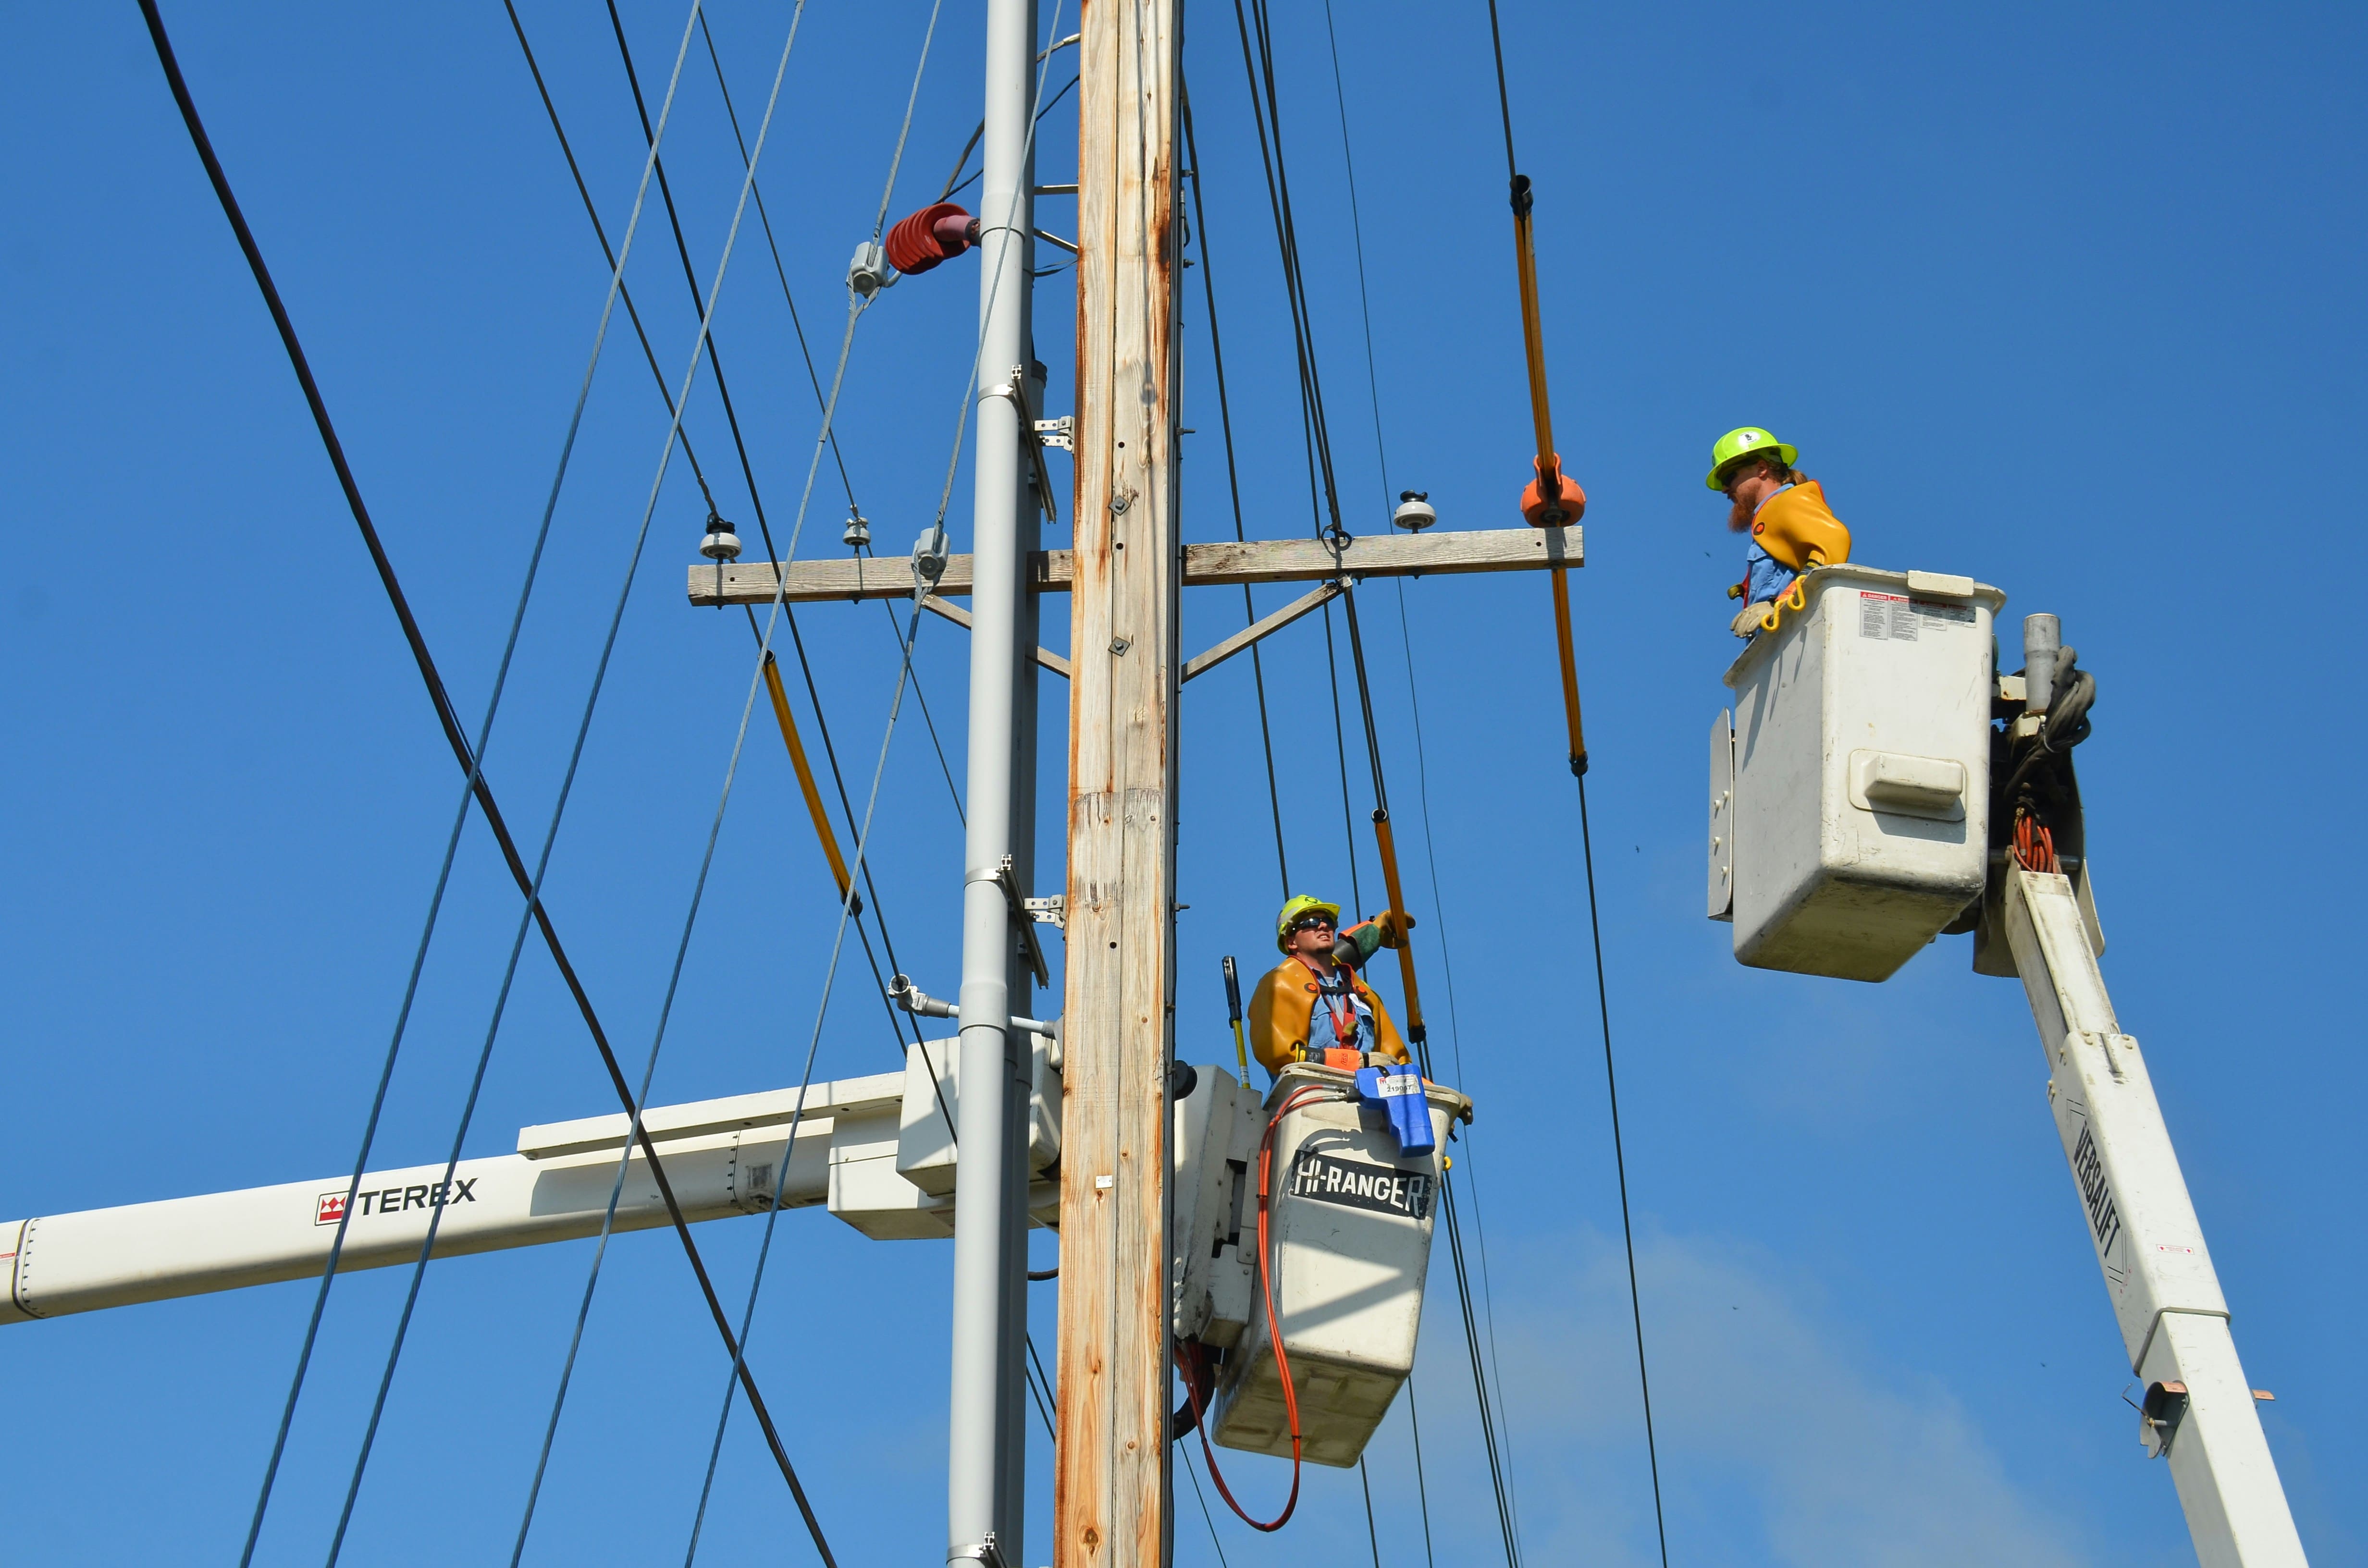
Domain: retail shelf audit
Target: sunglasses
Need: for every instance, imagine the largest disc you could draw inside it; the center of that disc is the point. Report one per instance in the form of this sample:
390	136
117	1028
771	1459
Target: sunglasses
1312	922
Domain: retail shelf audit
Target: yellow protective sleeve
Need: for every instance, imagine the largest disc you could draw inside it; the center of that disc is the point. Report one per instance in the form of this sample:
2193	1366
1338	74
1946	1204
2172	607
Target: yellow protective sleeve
1799	531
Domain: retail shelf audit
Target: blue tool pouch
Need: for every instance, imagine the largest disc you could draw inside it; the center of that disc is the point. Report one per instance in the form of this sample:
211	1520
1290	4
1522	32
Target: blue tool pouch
1398	1091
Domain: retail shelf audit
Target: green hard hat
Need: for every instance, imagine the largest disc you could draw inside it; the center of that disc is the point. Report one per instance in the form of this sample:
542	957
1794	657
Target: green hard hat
1740	443
1297	909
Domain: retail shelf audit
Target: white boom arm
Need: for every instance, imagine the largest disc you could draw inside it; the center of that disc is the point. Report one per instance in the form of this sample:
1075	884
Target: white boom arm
2199	1408
879	1150
720	1156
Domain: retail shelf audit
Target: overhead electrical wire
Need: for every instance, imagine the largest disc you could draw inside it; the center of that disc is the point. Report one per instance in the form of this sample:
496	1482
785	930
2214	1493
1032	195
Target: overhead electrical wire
559	806
1381	455
1586	837
1233	482
1194	1475
822	721
467	755
1381	468
1259	62
1266	113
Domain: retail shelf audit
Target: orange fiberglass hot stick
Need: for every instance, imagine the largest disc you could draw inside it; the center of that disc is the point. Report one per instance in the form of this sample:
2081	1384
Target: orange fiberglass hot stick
1553	498
806	781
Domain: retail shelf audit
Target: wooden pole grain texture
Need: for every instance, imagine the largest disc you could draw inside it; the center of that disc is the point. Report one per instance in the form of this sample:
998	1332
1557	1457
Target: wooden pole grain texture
1112	1488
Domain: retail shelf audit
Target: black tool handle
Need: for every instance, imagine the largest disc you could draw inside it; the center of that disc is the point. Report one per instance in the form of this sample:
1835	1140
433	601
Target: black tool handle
1233	992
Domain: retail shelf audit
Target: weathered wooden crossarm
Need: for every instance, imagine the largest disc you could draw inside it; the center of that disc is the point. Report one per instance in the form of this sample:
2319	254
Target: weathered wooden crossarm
1205	565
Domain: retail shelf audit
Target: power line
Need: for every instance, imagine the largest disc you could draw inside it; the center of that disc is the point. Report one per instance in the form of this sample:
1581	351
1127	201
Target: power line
559	807
463	753
1195	1477
1262	80
805	353
1233	484
1585	838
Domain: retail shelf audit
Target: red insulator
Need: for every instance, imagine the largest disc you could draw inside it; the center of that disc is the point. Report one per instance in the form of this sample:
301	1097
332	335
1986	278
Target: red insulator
935	234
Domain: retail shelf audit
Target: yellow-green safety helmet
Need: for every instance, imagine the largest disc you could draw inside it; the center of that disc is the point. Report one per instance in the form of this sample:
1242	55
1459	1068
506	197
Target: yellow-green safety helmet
1297	910
1742	443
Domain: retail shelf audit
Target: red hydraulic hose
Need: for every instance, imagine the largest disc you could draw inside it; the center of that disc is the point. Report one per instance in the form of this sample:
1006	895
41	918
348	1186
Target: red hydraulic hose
1274	1331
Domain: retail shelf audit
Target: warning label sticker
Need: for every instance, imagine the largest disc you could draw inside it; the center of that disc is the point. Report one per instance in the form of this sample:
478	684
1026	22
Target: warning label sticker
1886	617
1895	618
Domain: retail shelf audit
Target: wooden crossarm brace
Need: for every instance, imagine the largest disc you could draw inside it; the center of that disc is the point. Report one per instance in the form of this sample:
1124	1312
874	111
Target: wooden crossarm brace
1205	565
1204	663
961	617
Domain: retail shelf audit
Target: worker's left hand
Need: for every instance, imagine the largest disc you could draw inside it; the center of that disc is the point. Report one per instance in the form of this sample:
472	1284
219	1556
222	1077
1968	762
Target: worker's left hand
1748	618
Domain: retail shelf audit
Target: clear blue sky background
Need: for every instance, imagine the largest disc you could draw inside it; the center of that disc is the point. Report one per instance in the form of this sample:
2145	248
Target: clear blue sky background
2068	300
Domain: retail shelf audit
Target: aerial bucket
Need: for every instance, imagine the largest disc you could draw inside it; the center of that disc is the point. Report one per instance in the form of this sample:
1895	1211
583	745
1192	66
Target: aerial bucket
1349	1226
1850	786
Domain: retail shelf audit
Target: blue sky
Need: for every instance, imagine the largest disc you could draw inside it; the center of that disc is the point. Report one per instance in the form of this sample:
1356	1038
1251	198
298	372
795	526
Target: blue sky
2063	299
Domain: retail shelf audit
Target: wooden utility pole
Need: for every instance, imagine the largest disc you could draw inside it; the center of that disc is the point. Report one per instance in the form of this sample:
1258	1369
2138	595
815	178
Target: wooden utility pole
1110	1494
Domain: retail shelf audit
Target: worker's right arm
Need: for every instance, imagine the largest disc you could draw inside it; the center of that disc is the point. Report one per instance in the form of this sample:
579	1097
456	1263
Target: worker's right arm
1273	1040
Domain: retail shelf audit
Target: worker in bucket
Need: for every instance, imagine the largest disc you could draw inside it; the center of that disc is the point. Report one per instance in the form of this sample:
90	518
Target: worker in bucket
1785	511
1313	1007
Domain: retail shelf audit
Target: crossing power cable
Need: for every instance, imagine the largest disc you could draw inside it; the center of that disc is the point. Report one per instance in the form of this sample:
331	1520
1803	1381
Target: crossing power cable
724	391
1262	86
805	353
559	805
1266	112
822	720
1381	455
1521	198
1234	481
863	838
463	753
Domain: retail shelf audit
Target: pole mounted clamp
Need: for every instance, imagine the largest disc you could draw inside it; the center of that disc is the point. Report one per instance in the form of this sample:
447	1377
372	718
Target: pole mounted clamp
1023	919
1015	390
913	1000
986	1552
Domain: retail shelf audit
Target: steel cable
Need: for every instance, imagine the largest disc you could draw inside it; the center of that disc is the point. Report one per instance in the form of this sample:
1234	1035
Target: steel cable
1595	928
1233	484
813	1046
469	756
724	391
806	354
1258	61
566	788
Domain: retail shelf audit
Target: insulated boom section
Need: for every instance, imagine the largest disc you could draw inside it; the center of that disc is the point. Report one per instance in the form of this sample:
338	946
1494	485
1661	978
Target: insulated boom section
186	1247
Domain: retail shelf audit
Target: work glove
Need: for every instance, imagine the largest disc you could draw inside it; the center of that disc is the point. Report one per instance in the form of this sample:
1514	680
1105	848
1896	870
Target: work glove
1748	618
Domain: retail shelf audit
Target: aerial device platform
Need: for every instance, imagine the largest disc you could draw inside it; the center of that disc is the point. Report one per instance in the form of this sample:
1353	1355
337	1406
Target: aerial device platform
1880	781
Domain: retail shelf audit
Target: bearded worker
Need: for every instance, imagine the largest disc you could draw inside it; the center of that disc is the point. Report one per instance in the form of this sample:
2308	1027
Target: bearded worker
1313	1007
1782	510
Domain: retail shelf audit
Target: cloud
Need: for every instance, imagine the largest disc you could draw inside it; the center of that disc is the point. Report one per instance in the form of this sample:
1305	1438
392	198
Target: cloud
1781	1440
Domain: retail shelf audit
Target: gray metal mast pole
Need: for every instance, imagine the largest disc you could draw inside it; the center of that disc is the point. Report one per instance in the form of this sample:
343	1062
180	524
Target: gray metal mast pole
986	1442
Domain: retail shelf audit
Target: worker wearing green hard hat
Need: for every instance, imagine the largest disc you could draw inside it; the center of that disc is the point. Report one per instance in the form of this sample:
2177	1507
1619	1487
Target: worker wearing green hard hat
1313	1007
1785	511
1736	445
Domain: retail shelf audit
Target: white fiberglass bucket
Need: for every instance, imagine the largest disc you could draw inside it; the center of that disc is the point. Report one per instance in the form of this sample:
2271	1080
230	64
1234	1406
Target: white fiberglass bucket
1849	795
1349	1222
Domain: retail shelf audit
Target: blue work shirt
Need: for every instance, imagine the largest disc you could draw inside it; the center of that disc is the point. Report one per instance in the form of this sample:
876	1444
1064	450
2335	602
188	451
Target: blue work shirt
1764	576
1323	1023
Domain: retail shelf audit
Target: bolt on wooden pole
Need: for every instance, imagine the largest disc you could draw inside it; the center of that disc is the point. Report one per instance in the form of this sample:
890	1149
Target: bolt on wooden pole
1110	1494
